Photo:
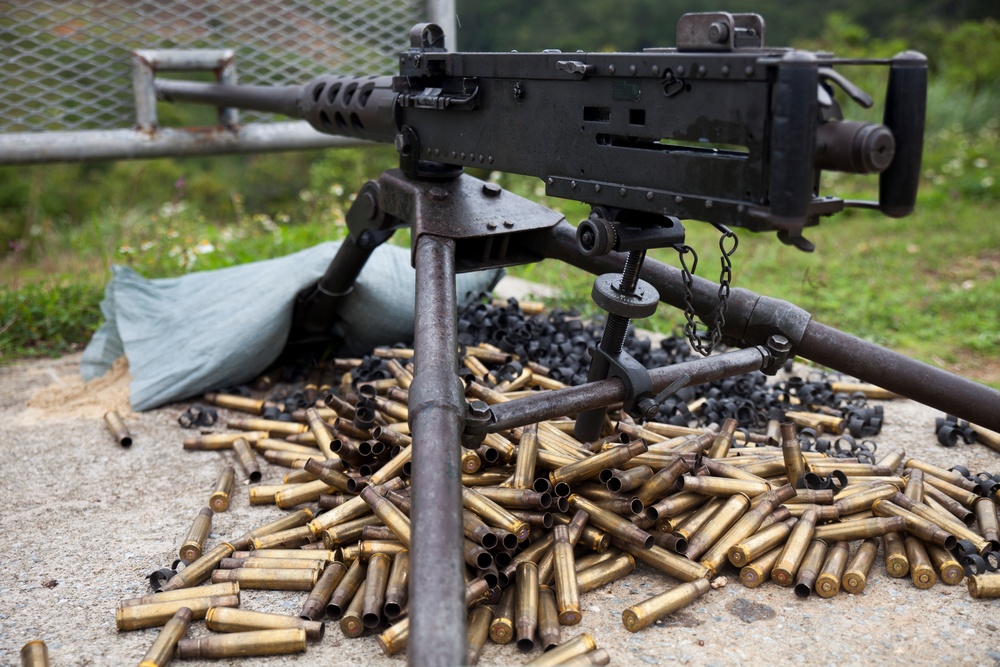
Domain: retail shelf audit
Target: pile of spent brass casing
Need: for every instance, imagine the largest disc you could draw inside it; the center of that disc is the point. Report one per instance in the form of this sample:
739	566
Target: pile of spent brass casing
547	518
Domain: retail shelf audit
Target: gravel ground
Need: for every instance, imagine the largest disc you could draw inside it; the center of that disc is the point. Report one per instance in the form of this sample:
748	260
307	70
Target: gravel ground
85	521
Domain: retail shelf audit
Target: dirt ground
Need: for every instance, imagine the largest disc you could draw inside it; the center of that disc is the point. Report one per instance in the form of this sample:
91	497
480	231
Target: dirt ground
86	520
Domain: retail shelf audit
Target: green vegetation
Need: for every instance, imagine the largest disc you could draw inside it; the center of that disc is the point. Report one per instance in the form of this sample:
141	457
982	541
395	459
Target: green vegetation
928	284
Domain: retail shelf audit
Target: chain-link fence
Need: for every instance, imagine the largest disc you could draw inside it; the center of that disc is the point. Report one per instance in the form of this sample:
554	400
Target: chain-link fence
67	66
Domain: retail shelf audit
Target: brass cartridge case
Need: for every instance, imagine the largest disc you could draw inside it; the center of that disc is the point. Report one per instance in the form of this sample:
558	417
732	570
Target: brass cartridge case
761	542
162	651
396	589
210	590
549	633
375	582
306	492
321	556
393	467
271	563
199	570
194	541
502	625
264	494
982	586
516	499
830	575
896	562
228	619
346	589
219	500
724	440
236	402
649	611
863	500
657	486
809	569
828	423
241	644
319	430
893	459
348	532
494	515
395	638
567	592
369	548
860	470
795	547
269	579
676	566
596	657
351	621
477	630
698	518
722	486
986	516
855	576
716	557
613	524
265	445
758	571
293	537
390	515
791	454
933	471
526	605
921	570
272	426
859	529
352	509
916	525
36	654
949	569
734	507
217	441
580	645
604	572
534	553
476	530
153	614
942	503
592	559
527	455
622	481
315	605
967	498
118	429
869	390
720	469
592	465
914	485
574	529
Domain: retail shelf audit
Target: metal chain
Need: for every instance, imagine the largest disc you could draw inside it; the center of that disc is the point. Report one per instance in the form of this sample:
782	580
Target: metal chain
705	344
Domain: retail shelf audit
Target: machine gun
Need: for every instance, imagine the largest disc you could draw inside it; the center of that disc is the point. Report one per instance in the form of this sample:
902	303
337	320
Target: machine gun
719	129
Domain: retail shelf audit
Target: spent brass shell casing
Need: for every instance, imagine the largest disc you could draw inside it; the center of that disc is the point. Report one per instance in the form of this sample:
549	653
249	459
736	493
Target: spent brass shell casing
549	633
195	540
370	548
219	500
921	570
228	619
758	571
716	557
241	644
390	515
348	532
986	516
396	590
914	489
949	569
649	611
722	486
611	523
270	563
604	572
945	521
791	454
860	529
502	625
896	562
35	654
162	651
855	576
760	542
527	454
622	481
657	486
346	589
931	470
225	588
351	622
830	575
318	555
375	582
315	605
118	429
731	510
270	579
319	430
236	402
477	631
219	441
582	644
592	465
272	426
199	570
394	639
526	605
566	589
676	566
863	500
293	537
247	460
916	525
494	515
137	617
982	586
724	440
809	569
795	548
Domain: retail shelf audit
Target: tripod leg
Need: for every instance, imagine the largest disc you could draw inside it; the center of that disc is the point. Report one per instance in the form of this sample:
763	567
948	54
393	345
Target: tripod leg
437	417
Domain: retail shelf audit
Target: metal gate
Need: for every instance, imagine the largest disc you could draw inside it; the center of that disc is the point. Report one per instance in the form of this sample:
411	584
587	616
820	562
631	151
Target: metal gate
76	77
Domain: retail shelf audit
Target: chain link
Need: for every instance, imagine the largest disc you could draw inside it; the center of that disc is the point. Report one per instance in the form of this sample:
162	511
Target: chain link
704	344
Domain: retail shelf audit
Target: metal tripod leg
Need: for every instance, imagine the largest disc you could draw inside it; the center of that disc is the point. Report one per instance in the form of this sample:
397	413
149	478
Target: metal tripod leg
437	416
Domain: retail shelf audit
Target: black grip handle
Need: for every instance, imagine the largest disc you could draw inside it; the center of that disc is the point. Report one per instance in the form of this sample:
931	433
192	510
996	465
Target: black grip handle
905	114
793	139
